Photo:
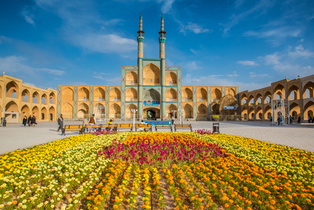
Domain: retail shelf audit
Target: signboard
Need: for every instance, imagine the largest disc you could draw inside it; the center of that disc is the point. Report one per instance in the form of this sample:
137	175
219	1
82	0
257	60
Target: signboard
230	107
158	122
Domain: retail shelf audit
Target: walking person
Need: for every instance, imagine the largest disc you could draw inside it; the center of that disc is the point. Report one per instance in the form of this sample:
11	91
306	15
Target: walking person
29	120
309	118
279	120
34	121
60	123
24	120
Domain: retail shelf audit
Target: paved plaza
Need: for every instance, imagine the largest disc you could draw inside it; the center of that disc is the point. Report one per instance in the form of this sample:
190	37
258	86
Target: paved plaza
15	136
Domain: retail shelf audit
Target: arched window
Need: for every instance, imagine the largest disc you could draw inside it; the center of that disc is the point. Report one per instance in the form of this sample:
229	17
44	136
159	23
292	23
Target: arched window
170	83
115	99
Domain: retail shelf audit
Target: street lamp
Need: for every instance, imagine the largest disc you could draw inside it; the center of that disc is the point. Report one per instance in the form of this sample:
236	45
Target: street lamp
181	116
133	111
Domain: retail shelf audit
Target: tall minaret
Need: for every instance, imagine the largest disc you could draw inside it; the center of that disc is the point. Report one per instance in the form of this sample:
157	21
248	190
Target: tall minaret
162	42
140	40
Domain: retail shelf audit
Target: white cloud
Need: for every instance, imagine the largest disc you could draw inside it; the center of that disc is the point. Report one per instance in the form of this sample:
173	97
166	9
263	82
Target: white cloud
273	59
248	63
220	80
253	75
281	32
300	52
106	43
28	16
167	5
109	80
194	27
191	65
13	64
31	84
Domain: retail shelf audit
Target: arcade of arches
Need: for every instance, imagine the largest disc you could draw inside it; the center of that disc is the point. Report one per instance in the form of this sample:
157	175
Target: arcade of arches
256	104
18	100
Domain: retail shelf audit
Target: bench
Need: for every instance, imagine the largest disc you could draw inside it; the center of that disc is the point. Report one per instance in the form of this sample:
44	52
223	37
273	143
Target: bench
122	126
184	126
73	128
148	127
109	127
163	126
87	127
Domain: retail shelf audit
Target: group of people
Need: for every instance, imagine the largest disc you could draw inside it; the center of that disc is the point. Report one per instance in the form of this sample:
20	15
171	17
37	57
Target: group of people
30	121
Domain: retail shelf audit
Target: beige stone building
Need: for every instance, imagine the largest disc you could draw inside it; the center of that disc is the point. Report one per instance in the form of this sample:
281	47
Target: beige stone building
297	93
18	100
151	88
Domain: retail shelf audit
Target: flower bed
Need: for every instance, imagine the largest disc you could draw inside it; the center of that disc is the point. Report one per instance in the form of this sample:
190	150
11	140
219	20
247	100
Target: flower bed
157	171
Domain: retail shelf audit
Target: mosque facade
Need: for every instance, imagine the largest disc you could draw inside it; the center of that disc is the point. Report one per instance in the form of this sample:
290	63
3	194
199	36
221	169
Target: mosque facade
151	89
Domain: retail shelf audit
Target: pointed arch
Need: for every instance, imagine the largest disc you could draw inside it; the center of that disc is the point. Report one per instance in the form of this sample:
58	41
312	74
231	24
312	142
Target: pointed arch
131	78
216	94
115	94
44	99
308	90
259	113
294	93
169	109
11	107
131	94
99	94
244	113
151	75
26	96
308	110
12	90
128	111
295	110
267	97
52	114
82	111
44	114
52	98
187	94
83	94
35	97
202	111
258	99
279	92
201	94
25	111
244	99
35	112
188	111
171	95
171	79
252	114
100	111
67	94
267	112
115	111
67	111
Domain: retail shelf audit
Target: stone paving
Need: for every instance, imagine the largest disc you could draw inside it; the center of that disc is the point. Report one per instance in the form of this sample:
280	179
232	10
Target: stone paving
15	136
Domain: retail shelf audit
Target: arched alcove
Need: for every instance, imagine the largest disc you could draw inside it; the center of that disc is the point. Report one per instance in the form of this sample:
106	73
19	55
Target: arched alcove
267	97
12	90
100	111
131	78
35	112
26	96
308	90
67	94
44	114
115	111
171	95
25	111
131	94
188	111
36	97
151	75
216	94
99	94
128	111
115	94
187	94
52	98
82	111
201	94
52	113
83	94
11	107
169	111
171	79
202	111
67	111
44	99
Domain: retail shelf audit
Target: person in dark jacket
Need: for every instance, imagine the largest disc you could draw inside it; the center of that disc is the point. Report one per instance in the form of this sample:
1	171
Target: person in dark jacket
29	120
60	122
24	120
34	120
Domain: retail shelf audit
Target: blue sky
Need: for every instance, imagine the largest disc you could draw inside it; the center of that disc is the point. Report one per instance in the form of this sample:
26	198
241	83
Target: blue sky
228	42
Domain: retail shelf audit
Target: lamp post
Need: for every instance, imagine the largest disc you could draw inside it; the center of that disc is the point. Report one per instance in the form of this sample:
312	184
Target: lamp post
181	117
133	111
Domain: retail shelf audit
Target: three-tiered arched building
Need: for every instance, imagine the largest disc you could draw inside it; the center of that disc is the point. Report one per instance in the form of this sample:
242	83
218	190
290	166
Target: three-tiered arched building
152	88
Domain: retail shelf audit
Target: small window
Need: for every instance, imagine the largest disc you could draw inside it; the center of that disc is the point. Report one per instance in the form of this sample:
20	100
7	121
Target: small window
200	99
84	98
131	82
170	83
100	99
151	80
115	99
186	99
170	99
131	99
